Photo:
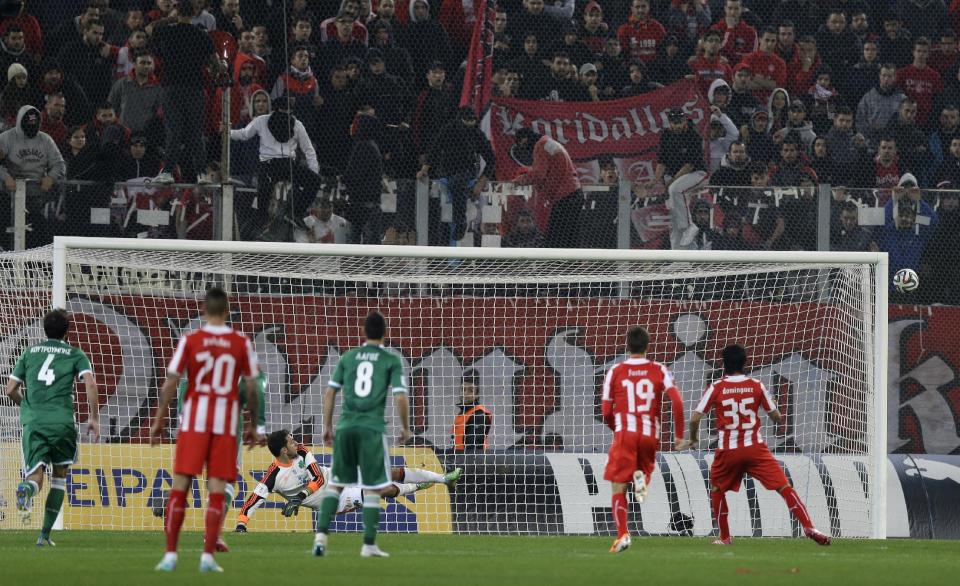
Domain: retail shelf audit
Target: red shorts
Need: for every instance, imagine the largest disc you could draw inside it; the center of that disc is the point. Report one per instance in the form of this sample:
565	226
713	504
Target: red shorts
729	466
218	452
629	452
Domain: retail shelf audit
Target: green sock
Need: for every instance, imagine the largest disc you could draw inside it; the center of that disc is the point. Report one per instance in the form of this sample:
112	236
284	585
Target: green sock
328	508
58	487
371	518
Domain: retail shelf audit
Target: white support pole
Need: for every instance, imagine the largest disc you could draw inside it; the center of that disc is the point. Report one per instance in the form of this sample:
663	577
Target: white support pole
59	293
423	212
20	215
879	454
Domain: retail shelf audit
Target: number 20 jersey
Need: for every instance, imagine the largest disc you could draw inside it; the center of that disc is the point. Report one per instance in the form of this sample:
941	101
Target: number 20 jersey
738	400
213	359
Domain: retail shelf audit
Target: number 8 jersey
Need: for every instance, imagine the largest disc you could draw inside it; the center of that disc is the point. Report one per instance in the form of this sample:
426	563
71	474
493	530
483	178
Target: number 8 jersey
364	375
213	359
738	400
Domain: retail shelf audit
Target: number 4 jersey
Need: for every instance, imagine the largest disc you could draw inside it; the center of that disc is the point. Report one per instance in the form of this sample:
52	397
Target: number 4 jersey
47	371
213	359
738	400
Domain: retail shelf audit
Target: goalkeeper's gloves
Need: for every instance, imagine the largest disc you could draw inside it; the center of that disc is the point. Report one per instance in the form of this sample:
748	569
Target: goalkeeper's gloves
293	506
241	528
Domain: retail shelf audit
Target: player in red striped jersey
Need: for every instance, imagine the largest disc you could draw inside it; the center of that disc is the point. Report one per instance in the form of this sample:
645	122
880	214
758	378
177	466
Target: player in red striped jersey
632	393
741	449
213	359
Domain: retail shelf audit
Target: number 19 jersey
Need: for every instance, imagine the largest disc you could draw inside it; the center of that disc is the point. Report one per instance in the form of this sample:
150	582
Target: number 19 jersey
364	375
213	359
738	400
633	390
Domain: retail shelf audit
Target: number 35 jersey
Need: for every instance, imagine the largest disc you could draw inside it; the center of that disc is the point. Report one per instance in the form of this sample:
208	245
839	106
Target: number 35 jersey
737	400
213	359
364	375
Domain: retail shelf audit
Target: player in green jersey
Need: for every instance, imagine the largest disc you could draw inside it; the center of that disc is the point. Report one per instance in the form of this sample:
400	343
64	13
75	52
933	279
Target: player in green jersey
365	375
229	490
42	385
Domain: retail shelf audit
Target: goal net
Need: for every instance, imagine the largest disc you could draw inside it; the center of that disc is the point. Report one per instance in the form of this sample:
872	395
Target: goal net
531	331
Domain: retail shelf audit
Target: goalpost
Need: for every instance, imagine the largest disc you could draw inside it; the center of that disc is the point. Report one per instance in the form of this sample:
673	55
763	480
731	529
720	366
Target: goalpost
534	328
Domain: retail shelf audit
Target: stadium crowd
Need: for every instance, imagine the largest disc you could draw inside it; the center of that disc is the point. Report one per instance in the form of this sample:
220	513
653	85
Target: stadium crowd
853	93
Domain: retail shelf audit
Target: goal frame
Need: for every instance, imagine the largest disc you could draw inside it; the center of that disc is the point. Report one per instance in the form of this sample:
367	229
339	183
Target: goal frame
877	379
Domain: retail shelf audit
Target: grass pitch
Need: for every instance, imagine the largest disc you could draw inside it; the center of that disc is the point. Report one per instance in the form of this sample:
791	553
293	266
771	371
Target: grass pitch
127	559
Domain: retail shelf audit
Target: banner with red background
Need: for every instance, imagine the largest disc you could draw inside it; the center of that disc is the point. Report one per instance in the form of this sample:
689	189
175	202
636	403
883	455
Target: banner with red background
540	360
627	129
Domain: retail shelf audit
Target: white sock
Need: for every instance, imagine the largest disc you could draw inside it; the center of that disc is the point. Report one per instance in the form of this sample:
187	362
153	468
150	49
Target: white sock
230	493
36	487
170	556
406	488
416	475
206	558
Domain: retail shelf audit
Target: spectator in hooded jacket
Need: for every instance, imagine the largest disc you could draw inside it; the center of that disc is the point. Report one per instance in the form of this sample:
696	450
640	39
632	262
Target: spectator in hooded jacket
396	59
281	136
760	144
798	125
425	40
31	154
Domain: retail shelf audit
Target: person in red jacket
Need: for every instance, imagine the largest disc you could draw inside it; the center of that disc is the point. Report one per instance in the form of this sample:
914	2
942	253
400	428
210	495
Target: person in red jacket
641	36
920	81
739	38
557	198
769	70
711	64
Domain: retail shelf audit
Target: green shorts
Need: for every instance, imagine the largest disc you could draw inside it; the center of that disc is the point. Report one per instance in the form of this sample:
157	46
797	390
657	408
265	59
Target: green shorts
360	450
48	445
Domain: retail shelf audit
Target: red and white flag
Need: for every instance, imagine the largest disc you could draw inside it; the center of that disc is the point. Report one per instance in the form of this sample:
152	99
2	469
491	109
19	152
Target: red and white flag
476	81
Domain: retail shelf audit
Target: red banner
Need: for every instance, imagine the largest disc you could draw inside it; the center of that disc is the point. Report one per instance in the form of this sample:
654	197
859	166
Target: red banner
628	130
476	81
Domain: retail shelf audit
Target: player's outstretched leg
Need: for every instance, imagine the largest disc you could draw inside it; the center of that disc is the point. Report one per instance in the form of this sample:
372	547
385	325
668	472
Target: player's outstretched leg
799	511
25	492
58	488
718	502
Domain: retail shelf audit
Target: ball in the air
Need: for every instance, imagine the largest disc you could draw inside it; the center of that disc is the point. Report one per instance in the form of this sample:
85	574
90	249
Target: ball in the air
906	280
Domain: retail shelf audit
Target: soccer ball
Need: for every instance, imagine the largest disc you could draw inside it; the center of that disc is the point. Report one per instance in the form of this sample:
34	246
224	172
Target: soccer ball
906	280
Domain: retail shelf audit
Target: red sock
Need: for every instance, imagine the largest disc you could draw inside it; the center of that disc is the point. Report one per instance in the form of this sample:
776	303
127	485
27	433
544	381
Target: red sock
620	513
718	500
796	507
175	512
213	521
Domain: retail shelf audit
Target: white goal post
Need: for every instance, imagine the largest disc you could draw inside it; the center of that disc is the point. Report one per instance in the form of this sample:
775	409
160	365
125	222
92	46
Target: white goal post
534	329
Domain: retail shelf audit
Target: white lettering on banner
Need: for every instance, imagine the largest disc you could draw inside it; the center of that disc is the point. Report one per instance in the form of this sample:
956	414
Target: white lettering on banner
933	470
689	488
576	499
590	128
854	515
937	426
805	478
693	494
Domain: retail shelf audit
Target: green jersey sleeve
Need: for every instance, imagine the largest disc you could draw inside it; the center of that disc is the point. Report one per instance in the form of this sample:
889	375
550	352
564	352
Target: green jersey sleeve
336	381
83	363
398	382
261	399
20	369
